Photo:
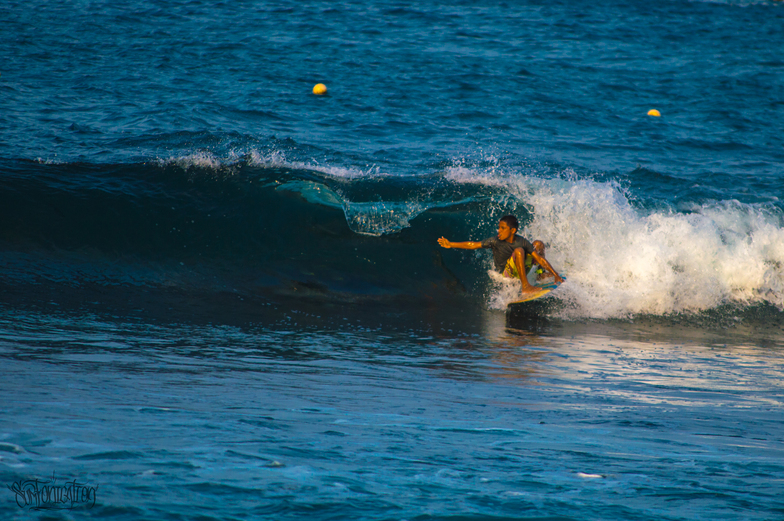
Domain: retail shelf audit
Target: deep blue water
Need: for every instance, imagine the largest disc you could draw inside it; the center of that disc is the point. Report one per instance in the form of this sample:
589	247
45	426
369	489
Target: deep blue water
221	295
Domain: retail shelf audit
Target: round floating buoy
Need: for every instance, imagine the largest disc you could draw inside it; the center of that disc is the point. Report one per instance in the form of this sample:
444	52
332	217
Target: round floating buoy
320	89
654	113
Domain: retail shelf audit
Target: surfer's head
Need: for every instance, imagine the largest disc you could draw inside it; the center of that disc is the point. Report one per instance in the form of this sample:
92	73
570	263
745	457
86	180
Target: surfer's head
511	221
507	227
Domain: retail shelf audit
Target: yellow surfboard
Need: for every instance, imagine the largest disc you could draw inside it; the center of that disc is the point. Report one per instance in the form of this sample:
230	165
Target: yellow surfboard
542	290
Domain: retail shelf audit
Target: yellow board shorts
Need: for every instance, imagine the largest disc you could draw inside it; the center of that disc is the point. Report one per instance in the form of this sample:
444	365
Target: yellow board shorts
511	268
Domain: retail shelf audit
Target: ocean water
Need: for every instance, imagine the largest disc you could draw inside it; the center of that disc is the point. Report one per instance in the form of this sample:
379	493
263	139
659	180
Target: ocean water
221	295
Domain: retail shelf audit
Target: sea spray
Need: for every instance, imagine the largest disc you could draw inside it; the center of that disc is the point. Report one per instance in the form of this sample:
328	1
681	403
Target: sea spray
624	259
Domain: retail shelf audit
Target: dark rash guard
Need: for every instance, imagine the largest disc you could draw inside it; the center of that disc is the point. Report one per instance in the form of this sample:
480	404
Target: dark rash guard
503	250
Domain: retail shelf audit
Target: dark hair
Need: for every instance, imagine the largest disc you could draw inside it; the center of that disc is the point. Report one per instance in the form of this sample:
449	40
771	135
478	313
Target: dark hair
511	221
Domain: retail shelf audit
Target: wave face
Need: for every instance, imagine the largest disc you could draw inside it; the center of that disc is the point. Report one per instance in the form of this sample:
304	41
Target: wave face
252	227
257	224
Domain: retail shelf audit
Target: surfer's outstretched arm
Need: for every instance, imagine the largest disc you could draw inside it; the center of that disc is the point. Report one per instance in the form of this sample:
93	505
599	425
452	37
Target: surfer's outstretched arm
541	261
468	245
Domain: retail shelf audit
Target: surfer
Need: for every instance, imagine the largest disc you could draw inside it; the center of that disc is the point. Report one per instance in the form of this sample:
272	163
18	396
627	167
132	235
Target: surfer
509	252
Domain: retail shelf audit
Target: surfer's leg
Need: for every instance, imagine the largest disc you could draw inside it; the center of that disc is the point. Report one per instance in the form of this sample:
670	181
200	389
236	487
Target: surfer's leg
519	259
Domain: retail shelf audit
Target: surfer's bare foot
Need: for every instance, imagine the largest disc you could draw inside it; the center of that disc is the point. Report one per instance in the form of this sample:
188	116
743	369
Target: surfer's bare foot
529	290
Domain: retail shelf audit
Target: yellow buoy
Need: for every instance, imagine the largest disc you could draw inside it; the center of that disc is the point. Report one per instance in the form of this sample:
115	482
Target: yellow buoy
652	112
320	89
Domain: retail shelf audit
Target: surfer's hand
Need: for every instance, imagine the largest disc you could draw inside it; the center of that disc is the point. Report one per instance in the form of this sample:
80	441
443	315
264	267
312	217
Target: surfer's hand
444	243
558	278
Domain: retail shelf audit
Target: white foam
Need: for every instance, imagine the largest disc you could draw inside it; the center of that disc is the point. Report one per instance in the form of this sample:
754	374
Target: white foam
277	158
505	289
621	260
43	161
460	173
585	475
271	159
201	159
